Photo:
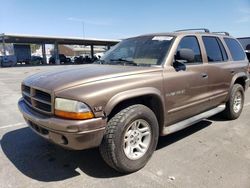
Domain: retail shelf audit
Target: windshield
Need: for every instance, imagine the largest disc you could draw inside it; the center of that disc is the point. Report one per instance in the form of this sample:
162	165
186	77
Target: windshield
139	51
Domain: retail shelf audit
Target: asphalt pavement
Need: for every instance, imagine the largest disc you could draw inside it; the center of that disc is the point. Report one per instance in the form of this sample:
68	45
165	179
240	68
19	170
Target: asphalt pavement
212	153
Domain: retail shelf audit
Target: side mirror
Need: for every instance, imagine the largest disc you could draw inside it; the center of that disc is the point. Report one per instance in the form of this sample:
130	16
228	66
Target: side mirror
185	54
179	66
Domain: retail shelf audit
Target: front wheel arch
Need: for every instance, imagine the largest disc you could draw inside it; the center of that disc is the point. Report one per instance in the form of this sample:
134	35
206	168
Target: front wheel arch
151	99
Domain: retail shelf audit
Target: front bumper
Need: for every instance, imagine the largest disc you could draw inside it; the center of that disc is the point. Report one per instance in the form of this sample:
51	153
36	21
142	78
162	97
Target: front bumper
71	134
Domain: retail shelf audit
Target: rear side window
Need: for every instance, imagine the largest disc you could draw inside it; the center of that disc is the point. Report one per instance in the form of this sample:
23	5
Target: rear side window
235	49
214	49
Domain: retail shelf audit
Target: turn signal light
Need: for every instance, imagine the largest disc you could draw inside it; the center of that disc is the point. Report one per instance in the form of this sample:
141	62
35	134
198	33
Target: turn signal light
74	115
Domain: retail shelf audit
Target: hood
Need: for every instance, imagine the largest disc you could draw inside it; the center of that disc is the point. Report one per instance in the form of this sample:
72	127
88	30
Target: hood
72	76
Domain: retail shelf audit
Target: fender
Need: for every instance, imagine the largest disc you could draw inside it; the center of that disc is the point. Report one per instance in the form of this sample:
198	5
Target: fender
129	94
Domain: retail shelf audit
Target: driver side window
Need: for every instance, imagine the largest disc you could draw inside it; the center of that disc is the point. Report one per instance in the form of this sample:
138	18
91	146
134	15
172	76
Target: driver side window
191	42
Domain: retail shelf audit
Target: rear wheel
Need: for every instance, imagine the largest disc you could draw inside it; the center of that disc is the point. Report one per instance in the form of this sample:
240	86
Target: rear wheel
235	103
130	139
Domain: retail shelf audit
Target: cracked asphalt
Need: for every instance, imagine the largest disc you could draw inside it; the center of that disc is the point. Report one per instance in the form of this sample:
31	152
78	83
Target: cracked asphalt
211	153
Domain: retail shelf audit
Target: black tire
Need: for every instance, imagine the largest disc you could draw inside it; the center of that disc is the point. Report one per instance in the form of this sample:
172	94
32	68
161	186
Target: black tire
112	144
230	113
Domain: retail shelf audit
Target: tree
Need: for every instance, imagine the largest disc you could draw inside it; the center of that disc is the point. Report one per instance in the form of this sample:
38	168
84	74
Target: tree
34	47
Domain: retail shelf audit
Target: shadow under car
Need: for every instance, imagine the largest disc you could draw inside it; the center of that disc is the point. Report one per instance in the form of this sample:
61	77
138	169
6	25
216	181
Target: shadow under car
43	161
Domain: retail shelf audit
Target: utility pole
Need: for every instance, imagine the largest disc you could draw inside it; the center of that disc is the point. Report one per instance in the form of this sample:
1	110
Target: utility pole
83	29
4	47
4	50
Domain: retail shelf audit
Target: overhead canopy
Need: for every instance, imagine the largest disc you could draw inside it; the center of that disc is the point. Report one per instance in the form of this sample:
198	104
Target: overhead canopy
34	39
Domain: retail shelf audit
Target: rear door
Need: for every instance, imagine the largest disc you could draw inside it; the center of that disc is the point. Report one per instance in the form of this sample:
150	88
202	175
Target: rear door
219	70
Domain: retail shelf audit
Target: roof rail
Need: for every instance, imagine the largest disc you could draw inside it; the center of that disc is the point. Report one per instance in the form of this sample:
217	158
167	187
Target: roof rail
204	29
222	32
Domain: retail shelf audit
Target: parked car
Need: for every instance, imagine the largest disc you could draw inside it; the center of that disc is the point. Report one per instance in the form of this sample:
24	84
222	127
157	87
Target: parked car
84	60
63	59
245	42
145	87
79	60
248	52
8	61
36	60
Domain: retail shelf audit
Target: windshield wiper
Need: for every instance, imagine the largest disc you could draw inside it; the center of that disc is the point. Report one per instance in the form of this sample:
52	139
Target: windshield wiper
125	61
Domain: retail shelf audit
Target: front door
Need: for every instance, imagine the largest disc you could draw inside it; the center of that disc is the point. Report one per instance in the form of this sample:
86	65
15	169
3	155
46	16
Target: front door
186	90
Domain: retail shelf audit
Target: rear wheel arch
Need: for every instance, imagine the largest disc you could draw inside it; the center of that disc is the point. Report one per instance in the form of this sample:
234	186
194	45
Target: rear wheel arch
239	79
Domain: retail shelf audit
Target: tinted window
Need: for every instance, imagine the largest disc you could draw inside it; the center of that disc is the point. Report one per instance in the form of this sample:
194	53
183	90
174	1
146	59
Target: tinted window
191	43
235	49
213	49
222	49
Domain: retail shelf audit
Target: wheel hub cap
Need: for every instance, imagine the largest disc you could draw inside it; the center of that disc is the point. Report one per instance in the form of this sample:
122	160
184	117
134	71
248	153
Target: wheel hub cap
237	104
137	139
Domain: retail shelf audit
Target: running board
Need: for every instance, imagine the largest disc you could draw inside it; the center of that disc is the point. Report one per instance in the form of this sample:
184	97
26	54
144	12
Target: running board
190	121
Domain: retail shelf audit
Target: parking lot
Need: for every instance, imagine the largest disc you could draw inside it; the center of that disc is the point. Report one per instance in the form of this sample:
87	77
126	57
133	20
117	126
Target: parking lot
212	153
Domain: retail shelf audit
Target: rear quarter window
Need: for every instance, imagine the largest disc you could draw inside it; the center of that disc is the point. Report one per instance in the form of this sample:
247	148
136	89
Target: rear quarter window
235	49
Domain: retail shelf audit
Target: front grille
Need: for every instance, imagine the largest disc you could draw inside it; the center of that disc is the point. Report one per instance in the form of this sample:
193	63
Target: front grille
37	99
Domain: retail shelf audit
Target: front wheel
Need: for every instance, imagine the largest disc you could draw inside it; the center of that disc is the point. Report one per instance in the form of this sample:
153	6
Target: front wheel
235	103
130	139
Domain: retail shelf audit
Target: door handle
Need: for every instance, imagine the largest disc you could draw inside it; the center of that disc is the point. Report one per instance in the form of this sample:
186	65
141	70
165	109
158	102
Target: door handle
204	75
232	71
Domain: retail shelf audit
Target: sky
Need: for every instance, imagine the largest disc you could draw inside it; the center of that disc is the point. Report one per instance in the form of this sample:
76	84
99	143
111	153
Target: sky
114	19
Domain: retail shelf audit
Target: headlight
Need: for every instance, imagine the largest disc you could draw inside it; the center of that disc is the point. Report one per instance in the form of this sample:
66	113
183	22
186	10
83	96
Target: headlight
72	109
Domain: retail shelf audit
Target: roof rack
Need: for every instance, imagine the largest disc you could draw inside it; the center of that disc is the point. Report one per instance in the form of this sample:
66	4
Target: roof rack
204	29
222	32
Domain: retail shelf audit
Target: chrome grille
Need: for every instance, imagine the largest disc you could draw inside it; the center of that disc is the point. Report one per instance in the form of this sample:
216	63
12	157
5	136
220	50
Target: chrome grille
37	99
